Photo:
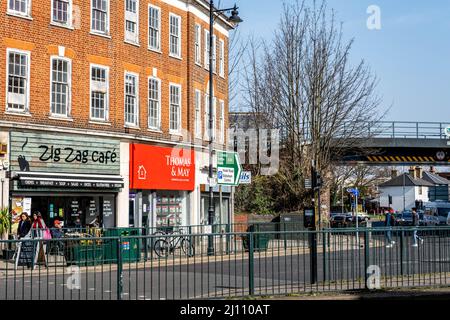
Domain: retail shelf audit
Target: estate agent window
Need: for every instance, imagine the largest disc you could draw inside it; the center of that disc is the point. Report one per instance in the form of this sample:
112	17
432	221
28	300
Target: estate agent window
18	81
62	12
100	16
132	21
175	35
175	108
60	87
99	92
154	103
131	99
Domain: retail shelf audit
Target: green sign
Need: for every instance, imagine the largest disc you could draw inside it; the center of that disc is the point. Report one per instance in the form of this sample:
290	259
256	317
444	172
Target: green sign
228	168
63	153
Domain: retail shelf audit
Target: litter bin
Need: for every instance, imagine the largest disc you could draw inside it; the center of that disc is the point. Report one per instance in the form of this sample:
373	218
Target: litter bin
131	247
84	252
260	241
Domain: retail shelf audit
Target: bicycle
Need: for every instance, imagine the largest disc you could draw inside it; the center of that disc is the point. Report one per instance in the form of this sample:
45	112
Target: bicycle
167	245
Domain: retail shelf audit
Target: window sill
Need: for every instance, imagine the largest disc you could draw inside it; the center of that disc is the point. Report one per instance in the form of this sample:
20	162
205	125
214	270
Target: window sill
132	43
21	114
129	126
61	118
176	57
60	25
100	122
199	64
18	15
103	35
155	50
175	133
154	130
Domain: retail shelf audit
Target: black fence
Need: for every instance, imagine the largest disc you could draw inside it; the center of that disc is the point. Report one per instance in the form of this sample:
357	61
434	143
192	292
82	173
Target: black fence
181	265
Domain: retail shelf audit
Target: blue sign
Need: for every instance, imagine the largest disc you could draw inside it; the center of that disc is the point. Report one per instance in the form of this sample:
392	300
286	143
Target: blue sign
353	191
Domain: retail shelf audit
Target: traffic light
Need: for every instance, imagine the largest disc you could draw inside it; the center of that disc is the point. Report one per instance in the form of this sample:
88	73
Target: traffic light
319	181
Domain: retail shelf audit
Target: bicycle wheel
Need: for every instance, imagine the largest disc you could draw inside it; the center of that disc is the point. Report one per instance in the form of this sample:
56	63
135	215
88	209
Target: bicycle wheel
161	248
187	247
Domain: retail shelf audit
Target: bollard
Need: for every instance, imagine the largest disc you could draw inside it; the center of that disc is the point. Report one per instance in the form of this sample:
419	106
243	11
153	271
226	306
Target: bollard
119	269
366	258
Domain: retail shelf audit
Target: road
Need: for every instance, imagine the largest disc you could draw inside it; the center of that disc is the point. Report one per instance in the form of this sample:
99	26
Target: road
220	276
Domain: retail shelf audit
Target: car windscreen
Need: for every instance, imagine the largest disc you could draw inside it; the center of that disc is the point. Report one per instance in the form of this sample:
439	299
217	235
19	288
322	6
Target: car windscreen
406	215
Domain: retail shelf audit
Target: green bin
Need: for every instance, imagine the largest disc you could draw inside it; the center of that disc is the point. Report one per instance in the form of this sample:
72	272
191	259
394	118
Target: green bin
131	247
260	241
81	254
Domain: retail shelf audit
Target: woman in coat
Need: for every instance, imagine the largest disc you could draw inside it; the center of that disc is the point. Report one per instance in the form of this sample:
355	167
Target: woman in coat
24	225
38	225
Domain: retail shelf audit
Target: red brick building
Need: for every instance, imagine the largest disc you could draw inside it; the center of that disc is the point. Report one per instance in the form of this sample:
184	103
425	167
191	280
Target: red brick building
99	76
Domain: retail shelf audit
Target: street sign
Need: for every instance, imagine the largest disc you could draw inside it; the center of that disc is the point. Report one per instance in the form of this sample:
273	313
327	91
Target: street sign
447	131
228	168
353	191
246	177
308	184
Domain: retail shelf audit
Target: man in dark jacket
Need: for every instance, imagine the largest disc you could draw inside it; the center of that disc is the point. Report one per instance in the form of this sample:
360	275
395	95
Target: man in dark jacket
389	223
415	219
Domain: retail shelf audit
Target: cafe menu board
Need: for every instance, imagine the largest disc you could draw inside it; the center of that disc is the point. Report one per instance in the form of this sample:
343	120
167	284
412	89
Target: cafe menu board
74	208
27	253
108	211
168	210
92	210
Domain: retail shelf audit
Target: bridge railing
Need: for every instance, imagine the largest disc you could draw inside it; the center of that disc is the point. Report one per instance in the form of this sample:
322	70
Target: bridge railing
407	130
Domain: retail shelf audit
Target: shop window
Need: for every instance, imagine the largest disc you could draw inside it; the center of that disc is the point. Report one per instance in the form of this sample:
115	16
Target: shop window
169	209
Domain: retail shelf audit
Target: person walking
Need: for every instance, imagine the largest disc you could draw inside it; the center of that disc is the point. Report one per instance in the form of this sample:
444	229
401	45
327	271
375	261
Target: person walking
24	226
415	219
389	222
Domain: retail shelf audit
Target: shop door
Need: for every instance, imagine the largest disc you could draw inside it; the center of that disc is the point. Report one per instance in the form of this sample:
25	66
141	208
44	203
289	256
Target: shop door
132	206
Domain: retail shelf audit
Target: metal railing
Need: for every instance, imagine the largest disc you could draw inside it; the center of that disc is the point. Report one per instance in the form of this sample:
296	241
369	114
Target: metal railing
244	263
405	129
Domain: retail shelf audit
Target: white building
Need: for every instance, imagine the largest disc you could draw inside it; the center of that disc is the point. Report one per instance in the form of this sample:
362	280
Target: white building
404	192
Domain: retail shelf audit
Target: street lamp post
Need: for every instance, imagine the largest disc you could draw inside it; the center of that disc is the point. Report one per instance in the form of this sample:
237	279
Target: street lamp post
234	18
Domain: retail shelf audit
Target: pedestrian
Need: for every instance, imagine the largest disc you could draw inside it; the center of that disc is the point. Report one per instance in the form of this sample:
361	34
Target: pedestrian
389	222
415	219
38	225
24	225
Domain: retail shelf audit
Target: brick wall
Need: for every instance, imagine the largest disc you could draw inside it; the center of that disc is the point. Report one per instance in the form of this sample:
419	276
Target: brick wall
42	39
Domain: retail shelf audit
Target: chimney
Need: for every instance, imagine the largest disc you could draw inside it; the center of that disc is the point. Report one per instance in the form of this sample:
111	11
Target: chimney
432	170
419	172
394	173
412	172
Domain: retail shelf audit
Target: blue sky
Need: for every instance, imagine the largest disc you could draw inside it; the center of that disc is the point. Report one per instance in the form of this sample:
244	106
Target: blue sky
410	54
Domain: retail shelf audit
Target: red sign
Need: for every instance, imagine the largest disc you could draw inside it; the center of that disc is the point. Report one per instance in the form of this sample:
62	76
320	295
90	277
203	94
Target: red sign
160	168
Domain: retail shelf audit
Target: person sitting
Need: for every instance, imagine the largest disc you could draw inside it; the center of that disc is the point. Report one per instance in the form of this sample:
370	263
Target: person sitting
57	231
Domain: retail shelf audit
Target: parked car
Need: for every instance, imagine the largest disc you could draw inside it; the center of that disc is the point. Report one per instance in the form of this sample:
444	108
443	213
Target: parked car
441	209
362	221
428	219
403	218
338	221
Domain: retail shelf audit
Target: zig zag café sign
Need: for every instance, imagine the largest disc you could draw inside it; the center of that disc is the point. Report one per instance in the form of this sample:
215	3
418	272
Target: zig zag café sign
161	168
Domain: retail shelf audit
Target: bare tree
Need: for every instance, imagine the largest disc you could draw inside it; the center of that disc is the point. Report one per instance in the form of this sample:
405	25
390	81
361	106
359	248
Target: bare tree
303	82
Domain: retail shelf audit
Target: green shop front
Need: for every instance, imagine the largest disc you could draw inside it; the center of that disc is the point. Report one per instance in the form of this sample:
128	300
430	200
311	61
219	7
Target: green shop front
72	178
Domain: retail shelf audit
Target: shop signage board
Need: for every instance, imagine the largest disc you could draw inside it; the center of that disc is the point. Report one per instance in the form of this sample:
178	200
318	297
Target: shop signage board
27	253
228	168
65	184
246	177
63	153
161	168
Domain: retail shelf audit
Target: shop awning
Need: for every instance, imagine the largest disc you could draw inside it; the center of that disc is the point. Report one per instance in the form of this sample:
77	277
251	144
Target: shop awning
69	180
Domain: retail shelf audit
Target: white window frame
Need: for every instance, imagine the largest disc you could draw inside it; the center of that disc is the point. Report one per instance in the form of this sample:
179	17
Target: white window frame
222	121
198	113
206	51
26	14
198	44
171	54
214	128
178	130
222	58
130	37
27	93
69	84
68	24
108	17
206	117
214	54
158	48
158	127
133	74
107	107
